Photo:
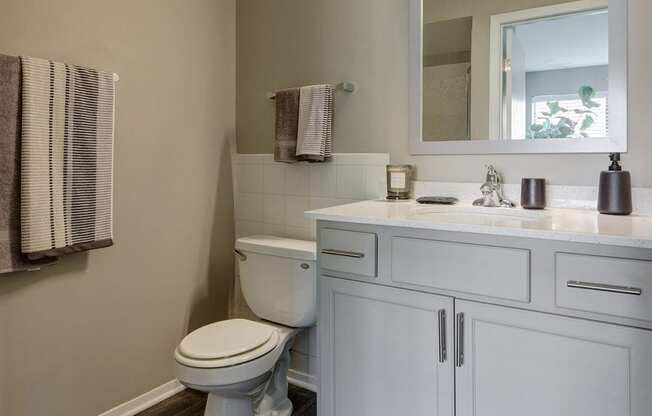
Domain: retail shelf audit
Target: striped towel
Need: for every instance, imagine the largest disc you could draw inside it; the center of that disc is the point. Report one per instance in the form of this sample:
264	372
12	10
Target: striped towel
315	132
67	158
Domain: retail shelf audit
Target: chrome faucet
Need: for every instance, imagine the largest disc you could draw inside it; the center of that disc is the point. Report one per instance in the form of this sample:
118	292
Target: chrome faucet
492	191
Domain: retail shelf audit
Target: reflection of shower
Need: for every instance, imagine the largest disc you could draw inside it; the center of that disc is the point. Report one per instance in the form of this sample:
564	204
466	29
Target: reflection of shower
468	103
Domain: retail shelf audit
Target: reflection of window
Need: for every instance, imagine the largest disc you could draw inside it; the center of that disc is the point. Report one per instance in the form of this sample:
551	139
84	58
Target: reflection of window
572	102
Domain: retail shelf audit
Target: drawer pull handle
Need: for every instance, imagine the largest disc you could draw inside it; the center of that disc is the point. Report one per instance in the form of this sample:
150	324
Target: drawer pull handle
342	253
442	335
626	290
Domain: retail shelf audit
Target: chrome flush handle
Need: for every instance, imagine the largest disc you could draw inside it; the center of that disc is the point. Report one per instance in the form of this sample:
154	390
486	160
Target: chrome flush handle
240	254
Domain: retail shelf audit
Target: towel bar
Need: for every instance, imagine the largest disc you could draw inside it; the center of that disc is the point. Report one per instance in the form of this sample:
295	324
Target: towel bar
343	86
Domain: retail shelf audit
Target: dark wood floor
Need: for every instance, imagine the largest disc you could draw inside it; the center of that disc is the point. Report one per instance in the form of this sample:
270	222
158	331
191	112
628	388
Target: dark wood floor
192	403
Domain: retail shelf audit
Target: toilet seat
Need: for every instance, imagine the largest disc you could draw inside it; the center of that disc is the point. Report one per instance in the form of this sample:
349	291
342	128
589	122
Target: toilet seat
226	343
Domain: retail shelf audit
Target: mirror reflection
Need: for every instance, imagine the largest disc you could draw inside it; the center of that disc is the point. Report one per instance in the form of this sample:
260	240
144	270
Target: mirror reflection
514	70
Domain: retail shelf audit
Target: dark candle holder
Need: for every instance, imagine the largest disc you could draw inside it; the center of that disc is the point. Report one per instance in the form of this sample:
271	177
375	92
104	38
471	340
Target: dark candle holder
533	193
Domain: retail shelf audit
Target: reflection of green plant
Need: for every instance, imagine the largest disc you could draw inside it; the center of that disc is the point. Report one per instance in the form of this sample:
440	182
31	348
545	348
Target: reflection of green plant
556	123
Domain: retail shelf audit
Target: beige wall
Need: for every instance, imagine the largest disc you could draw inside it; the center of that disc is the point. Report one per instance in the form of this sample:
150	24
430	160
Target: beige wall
285	43
99	329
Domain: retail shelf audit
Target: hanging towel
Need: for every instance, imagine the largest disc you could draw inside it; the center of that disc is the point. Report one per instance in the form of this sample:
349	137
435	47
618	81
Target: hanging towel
287	123
11	258
67	158
315	132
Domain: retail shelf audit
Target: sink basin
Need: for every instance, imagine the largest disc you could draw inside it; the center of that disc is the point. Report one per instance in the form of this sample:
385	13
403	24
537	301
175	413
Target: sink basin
481	215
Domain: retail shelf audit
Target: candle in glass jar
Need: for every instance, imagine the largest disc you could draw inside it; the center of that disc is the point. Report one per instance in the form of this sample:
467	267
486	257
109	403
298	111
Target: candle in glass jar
398	181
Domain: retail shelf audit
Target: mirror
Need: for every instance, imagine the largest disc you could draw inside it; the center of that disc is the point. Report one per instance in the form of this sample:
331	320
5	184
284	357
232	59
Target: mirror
518	76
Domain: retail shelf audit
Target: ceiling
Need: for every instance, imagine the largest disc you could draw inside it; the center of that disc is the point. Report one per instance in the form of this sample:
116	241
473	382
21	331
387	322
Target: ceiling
566	42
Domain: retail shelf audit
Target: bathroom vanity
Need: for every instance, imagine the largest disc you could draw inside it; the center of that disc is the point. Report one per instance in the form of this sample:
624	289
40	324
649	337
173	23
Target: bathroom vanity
428	310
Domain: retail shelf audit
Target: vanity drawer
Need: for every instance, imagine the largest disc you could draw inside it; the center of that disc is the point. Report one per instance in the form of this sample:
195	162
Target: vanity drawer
348	251
498	272
606	285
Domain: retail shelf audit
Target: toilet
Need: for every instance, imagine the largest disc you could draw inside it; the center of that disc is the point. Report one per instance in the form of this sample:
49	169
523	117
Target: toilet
243	364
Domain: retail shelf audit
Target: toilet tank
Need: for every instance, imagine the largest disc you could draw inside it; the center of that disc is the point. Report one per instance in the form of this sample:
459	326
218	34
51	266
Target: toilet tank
278	279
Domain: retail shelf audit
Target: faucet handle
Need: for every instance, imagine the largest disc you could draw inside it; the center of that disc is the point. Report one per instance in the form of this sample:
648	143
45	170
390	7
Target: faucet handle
492	175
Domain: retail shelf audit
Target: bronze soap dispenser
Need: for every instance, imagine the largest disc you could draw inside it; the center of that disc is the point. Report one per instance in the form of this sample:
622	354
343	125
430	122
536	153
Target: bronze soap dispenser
615	189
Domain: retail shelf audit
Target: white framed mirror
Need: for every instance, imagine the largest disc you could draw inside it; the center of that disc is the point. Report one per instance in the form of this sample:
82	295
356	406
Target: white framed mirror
518	76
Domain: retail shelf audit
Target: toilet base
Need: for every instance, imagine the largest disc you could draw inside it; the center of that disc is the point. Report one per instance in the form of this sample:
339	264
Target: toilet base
266	395
274	399
218	405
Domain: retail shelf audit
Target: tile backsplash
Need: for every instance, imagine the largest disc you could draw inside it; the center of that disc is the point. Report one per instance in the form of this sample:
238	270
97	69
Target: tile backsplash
271	196
557	196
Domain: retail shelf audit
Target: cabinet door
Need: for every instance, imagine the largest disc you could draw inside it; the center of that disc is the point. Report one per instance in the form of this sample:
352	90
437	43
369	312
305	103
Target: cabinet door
380	351
516	363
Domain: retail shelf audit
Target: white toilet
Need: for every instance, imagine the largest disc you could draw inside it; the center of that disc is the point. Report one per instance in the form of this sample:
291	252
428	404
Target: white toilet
243	364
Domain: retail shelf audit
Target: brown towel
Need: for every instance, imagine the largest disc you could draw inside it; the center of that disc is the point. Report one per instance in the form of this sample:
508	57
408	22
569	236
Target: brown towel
287	125
11	259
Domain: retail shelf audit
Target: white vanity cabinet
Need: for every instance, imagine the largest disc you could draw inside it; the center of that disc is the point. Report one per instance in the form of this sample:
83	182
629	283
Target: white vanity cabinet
385	351
470	325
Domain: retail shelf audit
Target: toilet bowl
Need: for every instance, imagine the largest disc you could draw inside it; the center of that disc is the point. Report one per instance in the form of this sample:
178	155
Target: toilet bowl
242	364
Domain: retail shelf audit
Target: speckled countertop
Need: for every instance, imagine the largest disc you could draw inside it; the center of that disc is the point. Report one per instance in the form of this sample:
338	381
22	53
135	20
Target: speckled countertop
575	225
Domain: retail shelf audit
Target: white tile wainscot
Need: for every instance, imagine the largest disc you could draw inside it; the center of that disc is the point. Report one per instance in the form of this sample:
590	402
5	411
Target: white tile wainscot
271	198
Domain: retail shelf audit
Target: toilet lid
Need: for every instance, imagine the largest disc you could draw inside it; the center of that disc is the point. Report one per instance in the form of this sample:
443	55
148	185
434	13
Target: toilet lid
225	339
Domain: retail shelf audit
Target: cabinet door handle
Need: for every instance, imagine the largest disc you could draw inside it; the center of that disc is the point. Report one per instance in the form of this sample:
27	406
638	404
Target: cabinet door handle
603	287
459	345
441	314
342	253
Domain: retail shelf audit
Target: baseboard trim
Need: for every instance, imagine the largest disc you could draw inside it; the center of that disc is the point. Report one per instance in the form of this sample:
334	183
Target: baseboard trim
172	387
302	380
146	400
